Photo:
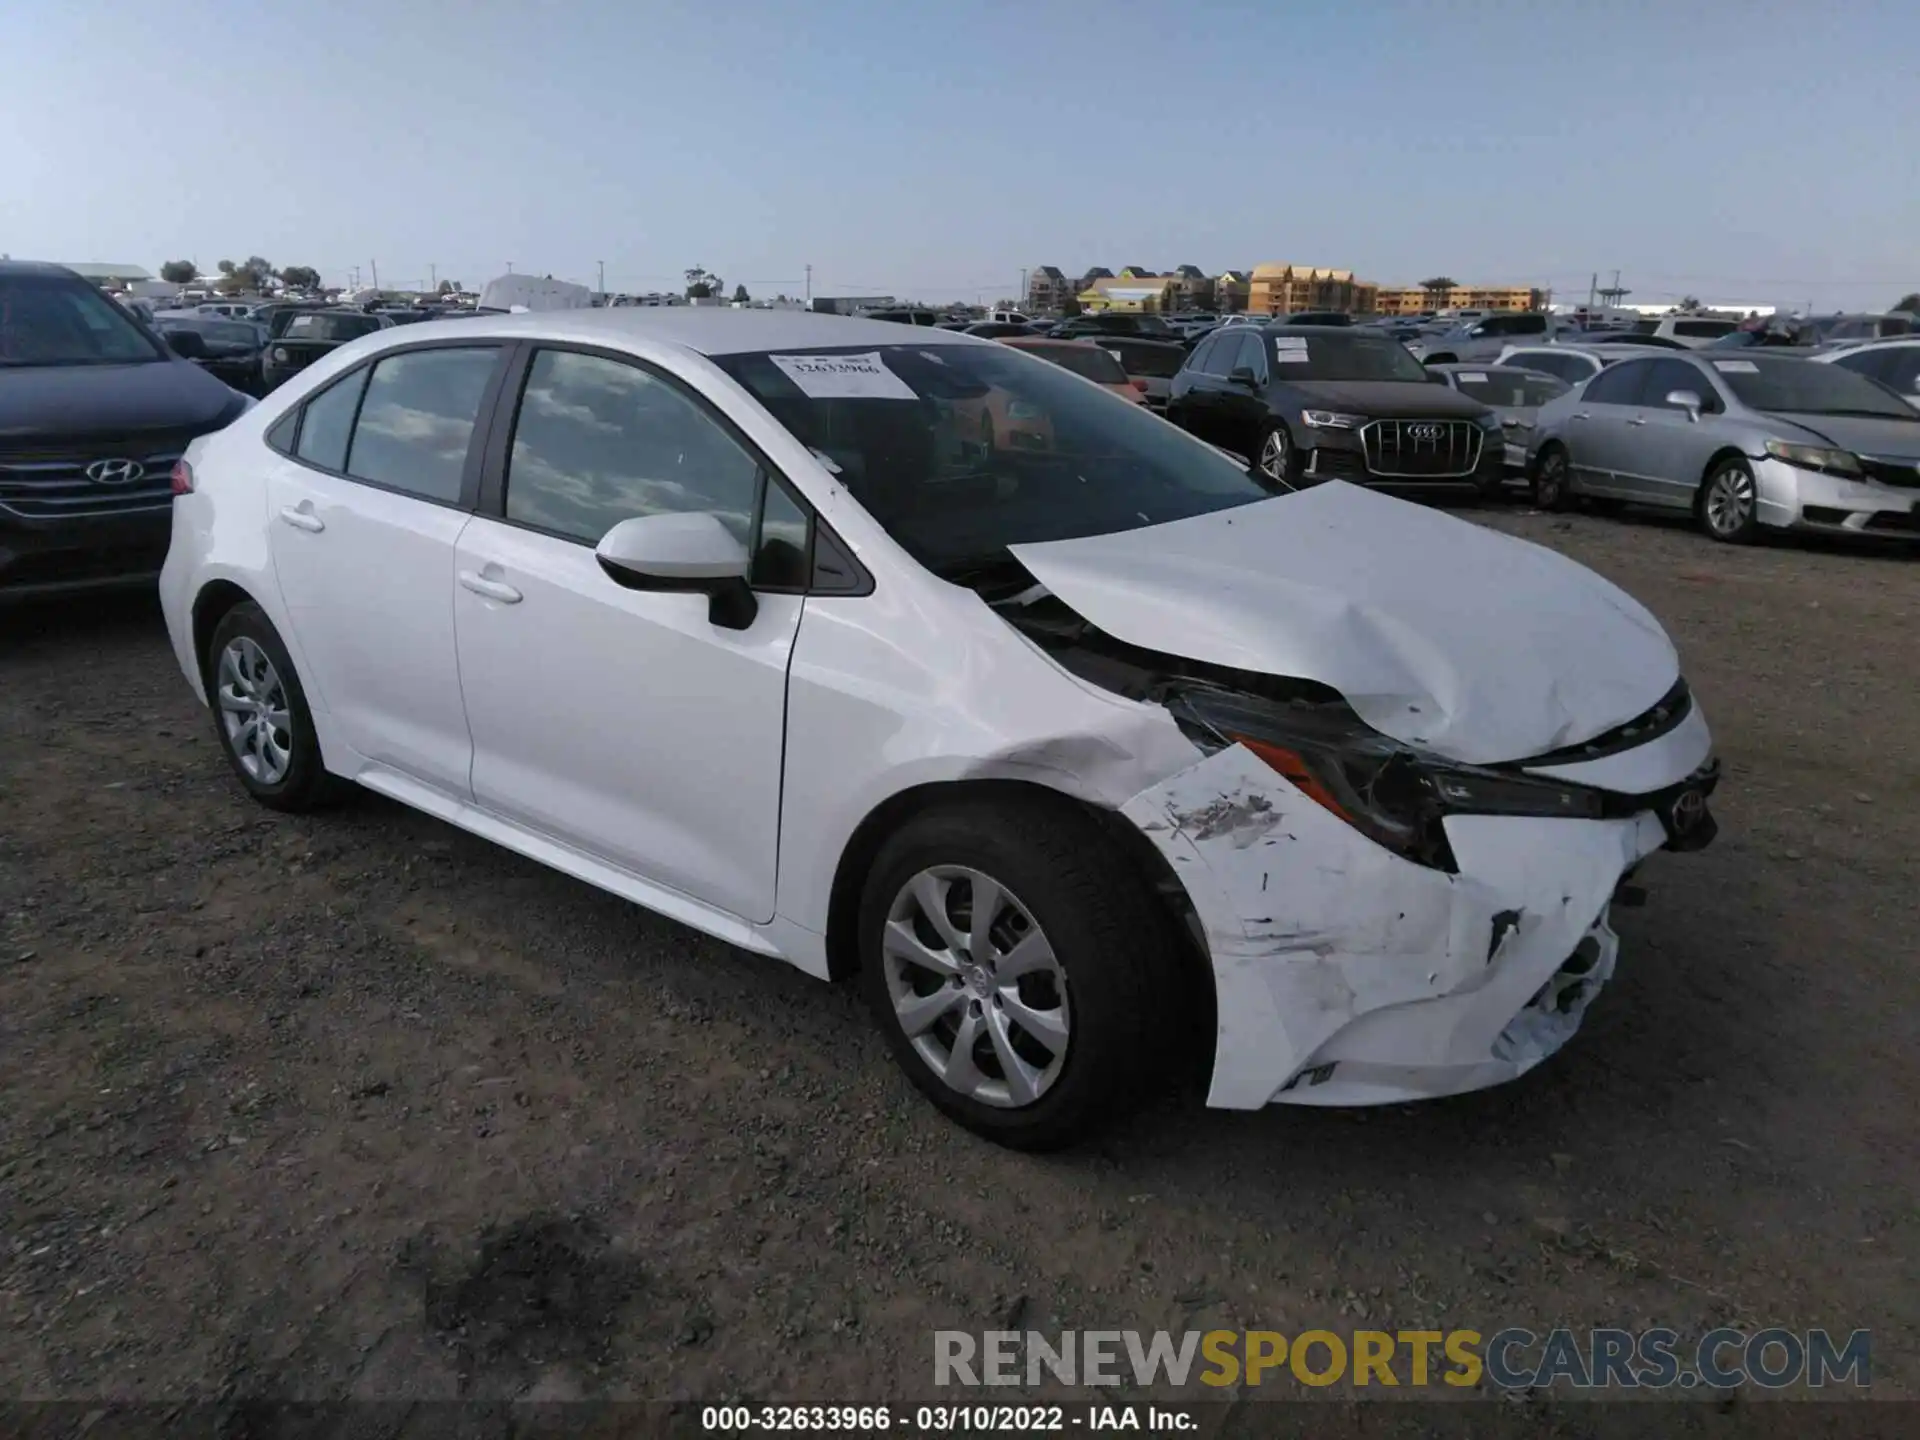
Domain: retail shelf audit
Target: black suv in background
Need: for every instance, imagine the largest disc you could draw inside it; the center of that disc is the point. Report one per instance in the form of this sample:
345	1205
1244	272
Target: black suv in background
1308	403
94	411
1092	327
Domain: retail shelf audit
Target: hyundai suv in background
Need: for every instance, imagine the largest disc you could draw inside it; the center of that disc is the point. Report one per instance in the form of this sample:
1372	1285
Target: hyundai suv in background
1307	404
94	411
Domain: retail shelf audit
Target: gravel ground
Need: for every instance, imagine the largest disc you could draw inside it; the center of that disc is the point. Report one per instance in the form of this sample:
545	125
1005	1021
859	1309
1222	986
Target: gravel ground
355	1104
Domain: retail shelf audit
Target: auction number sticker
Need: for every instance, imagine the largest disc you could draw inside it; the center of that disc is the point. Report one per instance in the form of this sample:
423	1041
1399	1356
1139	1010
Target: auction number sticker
844	377
1736	367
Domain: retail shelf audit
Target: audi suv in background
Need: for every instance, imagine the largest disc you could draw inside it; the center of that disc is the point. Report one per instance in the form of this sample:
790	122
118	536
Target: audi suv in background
1309	403
1744	442
94	410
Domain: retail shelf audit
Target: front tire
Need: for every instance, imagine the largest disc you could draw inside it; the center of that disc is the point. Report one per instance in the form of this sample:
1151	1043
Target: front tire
260	713
1020	971
1728	508
1275	460
1552	480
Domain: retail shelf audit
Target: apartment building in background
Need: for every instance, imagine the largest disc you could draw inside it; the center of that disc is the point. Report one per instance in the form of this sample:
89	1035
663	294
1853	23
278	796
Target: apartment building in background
1413	300
1281	288
1047	289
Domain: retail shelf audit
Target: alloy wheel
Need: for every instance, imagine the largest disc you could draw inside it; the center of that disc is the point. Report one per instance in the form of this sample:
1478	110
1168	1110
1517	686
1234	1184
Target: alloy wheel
253	711
1276	455
1730	501
1553	481
976	987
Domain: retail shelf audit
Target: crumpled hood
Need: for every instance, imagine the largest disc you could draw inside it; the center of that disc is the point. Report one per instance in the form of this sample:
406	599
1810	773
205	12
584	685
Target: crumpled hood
1439	633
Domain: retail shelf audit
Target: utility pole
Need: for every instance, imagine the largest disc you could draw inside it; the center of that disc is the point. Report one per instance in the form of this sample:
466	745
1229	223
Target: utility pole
809	287
433	276
1593	284
376	273
1022	302
603	275
509	267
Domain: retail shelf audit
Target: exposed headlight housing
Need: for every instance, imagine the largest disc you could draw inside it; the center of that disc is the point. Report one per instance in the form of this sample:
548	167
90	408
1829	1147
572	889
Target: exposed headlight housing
279	355
1815	457
1393	794
1331	420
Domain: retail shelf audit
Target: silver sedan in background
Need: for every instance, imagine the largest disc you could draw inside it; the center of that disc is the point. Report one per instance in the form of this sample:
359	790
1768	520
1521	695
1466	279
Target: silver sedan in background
1513	394
1743	441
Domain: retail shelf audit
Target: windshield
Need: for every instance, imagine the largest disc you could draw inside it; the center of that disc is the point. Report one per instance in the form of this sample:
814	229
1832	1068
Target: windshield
1514	388
215	332
962	450
1804	387
47	320
329	327
1089	362
1342	355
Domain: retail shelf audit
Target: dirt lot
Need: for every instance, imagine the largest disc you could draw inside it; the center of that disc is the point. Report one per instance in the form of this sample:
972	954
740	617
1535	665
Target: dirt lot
357	1104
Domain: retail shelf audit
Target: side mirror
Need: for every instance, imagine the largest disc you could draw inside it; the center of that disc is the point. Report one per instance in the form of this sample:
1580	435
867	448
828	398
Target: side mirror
1243	375
187	344
1686	400
1437	377
689	552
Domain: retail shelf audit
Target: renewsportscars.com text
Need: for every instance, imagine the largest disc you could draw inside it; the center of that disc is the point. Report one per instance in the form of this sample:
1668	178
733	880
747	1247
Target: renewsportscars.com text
1510	1359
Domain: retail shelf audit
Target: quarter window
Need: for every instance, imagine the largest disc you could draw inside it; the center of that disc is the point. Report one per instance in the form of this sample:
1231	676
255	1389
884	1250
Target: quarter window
328	423
780	557
417	421
599	441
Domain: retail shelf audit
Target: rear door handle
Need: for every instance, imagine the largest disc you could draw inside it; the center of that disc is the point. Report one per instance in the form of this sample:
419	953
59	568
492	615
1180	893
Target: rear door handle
1638	420
301	517
1582	415
492	589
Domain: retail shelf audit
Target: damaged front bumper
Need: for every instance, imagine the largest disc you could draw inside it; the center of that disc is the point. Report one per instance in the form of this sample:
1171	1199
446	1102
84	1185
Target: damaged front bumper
1346	975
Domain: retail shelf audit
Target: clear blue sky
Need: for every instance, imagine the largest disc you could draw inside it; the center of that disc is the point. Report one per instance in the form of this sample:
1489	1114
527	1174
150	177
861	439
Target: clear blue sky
1742	150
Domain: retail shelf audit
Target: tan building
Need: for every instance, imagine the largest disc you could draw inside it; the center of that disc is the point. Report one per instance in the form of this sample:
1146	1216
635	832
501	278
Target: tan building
1230	291
1279	288
1412	299
1143	294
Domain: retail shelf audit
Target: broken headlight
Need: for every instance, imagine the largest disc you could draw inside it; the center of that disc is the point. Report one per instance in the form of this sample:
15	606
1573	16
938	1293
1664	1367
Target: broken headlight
1391	793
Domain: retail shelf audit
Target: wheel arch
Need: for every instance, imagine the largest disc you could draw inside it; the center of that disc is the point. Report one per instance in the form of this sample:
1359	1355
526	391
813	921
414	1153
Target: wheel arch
1714	462
1134	849
211	605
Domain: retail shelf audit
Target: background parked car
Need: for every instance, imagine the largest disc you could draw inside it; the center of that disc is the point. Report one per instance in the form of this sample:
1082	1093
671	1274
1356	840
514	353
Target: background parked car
1081	327
230	350
1743	442
1513	394
304	337
1308	404
1149	364
94	410
995	329
1894	363
1837	329
1481	339
1085	359
1690	332
1568	362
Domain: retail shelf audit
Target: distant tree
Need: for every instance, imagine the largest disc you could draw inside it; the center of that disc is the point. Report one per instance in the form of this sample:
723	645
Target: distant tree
225	267
446	287
301	277
1689	302
1909	303
740	296
179	272
1437	288
699	290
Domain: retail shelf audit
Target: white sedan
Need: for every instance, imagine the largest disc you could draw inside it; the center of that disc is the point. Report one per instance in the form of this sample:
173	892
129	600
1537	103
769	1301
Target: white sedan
914	658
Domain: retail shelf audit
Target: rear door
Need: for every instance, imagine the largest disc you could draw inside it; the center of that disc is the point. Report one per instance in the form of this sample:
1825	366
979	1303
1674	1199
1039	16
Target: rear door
1598	432
363	513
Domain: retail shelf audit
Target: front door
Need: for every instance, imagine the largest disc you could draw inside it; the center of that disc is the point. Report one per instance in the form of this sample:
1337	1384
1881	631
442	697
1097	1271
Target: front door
364	518
623	723
1599	430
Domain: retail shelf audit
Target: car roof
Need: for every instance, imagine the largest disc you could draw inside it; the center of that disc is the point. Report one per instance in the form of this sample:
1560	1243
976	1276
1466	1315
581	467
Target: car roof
43	268
701	330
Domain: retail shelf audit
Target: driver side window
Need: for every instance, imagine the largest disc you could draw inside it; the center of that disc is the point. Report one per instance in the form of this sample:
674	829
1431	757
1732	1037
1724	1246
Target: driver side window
598	441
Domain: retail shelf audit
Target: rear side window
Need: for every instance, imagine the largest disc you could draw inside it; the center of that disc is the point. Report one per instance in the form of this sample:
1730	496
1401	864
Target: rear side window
1619	385
1527	325
1703	329
329	423
417	421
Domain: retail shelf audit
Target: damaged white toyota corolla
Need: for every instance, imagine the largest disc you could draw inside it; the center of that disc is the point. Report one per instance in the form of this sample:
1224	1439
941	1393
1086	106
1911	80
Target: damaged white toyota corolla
910	656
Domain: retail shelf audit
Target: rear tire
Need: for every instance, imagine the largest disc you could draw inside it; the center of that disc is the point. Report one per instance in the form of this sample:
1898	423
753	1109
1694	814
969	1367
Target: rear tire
1041	1024
1552	480
260	714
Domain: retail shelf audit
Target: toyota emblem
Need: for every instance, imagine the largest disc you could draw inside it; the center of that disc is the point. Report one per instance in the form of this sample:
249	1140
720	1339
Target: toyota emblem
1689	809
115	472
1424	432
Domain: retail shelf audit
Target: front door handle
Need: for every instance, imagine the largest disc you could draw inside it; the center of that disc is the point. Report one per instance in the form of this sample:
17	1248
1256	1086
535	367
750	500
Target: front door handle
1582	415
492	589
301	517
1638	420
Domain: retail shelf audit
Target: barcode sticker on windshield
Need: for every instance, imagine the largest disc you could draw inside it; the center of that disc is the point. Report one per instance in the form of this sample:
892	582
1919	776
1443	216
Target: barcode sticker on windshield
1291	355
1736	367
844	377
1472	377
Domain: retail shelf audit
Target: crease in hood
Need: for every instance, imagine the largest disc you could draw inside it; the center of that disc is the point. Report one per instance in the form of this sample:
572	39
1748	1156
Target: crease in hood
1438	632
